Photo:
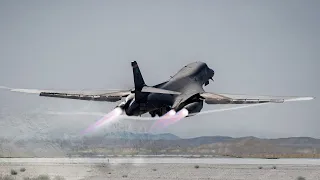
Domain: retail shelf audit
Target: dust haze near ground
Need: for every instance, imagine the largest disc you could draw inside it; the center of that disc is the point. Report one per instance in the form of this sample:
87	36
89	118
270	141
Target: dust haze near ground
255	47
164	168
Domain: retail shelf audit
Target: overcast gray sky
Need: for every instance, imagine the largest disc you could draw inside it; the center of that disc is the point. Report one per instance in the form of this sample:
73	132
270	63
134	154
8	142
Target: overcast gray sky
255	47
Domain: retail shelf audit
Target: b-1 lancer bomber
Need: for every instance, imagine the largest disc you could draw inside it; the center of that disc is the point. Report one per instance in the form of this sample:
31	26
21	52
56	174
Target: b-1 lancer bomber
179	97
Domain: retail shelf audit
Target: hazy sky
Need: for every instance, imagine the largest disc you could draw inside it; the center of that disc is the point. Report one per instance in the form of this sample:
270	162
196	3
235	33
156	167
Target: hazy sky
255	47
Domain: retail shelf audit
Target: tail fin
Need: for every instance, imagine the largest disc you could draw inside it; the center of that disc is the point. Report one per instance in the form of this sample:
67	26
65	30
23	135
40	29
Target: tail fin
138	79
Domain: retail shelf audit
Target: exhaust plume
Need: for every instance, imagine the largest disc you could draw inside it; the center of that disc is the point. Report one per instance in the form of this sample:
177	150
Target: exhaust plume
105	120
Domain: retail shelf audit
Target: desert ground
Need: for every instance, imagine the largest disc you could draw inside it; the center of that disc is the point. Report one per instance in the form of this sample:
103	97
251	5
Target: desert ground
161	168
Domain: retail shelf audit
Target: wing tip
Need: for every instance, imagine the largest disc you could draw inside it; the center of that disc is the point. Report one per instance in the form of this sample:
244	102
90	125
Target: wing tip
5	87
308	98
28	91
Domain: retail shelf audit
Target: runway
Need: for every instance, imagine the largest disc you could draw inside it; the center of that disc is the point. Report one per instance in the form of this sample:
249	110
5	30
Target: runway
163	168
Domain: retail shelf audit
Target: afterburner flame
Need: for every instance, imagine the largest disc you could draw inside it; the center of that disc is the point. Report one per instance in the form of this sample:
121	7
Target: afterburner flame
160	122
107	119
170	118
180	115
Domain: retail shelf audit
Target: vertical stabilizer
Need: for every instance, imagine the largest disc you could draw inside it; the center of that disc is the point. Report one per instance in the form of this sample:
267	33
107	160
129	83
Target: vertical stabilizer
138	79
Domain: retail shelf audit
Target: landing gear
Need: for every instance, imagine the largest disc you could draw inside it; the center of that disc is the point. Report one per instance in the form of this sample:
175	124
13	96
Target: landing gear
152	113
160	112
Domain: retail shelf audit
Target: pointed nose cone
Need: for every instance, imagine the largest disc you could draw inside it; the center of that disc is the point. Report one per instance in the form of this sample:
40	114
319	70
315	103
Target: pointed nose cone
211	74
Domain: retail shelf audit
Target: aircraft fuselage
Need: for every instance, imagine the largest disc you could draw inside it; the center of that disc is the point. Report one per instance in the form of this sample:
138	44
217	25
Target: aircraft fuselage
188	81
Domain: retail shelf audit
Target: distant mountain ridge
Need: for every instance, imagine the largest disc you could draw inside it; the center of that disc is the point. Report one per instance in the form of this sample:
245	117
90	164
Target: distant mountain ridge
129	143
141	136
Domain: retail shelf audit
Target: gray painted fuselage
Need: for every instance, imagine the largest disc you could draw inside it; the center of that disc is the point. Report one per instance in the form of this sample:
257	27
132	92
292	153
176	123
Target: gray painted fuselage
188	81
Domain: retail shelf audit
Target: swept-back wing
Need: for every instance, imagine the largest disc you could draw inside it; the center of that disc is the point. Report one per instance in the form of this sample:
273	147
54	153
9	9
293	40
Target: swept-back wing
106	96
217	98
90	95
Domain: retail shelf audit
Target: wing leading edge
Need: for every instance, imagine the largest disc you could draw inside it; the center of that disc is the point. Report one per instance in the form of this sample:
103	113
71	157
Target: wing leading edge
217	98
90	95
103	96
109	96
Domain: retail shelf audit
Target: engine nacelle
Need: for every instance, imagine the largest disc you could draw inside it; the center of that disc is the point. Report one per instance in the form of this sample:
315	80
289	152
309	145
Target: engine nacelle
194	107
126	102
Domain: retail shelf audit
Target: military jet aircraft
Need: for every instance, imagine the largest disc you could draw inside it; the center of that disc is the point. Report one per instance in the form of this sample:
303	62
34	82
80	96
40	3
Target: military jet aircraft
179	97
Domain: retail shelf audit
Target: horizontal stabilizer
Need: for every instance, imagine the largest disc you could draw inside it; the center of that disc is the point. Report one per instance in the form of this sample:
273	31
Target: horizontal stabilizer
158	90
